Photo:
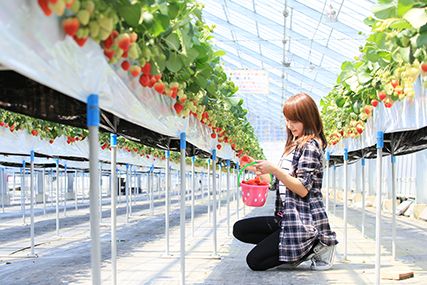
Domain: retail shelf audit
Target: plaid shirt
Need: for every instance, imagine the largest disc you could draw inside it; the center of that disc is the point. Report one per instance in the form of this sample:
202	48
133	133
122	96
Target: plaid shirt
304	219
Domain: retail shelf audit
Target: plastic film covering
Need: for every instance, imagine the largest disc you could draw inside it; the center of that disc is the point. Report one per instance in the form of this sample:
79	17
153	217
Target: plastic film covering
404	126
34	45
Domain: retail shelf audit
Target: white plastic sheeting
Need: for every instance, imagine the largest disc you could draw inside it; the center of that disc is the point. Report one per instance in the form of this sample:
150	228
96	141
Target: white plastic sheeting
404	115
34	45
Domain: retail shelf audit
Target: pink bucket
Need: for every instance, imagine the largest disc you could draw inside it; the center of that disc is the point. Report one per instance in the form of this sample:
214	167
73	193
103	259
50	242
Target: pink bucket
254	195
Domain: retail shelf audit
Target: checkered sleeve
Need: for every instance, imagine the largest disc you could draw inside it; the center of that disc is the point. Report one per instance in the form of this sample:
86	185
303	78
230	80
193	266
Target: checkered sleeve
309	163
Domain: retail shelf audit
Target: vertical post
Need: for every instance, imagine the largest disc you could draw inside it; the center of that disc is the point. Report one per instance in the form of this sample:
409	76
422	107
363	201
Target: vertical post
380	145
32	201
100	192
220	188
3	191
120	184
75	186
209	190
65	189
93	126
167	199
228	196
328	158
214	201
150	185
113	183
127	192
23	191
237	193
193	189
14	184
334	185
57	198
393	201
345	200
44	191
182	208
363	196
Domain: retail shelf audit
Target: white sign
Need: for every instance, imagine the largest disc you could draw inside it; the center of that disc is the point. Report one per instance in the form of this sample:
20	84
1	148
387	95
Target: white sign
250	81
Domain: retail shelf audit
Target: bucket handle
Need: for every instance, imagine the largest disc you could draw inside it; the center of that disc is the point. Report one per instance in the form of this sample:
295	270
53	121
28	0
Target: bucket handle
243	169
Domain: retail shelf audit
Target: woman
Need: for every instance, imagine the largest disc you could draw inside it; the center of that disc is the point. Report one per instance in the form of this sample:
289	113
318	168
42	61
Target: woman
300	230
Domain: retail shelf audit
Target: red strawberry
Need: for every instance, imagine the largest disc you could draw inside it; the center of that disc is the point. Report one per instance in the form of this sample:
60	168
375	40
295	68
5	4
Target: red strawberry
144	80
45	8
69	3
53	1
71	26
80	41
12	128
152	81
213	135
51	141
424	67
125	65
374	102
1	124
359	128
34	132
218	146
257	180
159	87
133	37
382	95
178	108
233	146
158	76
125	54
251	182
146	69
394	83
124	42
388	103
135	70
368	109
245	159
109	53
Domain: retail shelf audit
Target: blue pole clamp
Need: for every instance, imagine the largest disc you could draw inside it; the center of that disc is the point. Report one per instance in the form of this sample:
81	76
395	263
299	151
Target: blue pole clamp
151	168
363	162
214	154
328	155
345	153
237	166
193	159
127	166
182	141
23	165
167	153
32	155
57	161
380	139
65	167
227	163
92	109
113	140
393	159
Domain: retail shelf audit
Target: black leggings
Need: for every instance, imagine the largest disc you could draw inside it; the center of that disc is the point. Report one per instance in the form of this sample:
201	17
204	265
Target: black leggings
264	232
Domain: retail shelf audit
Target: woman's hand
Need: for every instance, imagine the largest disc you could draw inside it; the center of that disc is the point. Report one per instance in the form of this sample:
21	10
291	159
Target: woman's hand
264	167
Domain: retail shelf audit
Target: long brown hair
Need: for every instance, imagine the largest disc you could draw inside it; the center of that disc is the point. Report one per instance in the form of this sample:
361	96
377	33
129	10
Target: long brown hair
302	108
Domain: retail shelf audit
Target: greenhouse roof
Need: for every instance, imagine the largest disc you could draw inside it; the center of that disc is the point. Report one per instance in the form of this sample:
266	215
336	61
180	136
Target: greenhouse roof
300	54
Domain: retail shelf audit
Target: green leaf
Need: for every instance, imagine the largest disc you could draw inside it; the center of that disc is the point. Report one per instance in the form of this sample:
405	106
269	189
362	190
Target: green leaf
173	10
369	21
417	17
219	53
421	40
400	24
404	6
201	81
405	53
353	83
192	54
159	25
364	77
163	8
340	102
172	41
131	14
385	11
174	63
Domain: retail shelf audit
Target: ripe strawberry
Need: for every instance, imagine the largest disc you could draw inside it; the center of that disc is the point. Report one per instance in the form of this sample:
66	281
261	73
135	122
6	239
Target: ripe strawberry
178	108
245	159
51	141
12	128
125	65
80	41
124	42
388	103
382	95
359	128
69	3
146	69
368	109
58	7
1	124
152	81
109	53
157	76
34	132
159	87
125	54
394	83
133	37
71	26
263	183
424	67
218	146
374	102
135	70
144	80
213	135
45	8
233	146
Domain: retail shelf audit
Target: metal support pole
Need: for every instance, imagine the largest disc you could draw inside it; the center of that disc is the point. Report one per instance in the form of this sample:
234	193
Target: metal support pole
228	196
209	190
167	200
100	192
32	201
57	198
193	189
363	196
345	200
3	191
219	188
182	208
150	182
328	157
43	191
23	192
93	126
237	194
75	190
14	185
214	202
393	203
113	183
65	189
334	185
127	193
380	145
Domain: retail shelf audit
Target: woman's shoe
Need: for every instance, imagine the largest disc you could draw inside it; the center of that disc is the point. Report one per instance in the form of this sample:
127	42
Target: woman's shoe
324	259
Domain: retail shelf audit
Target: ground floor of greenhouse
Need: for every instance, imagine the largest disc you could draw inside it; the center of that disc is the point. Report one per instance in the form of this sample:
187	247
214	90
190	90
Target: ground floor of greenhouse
142	258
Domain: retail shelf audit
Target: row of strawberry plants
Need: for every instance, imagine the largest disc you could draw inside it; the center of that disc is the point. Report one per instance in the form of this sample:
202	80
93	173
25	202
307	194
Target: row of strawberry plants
391	60
166	45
